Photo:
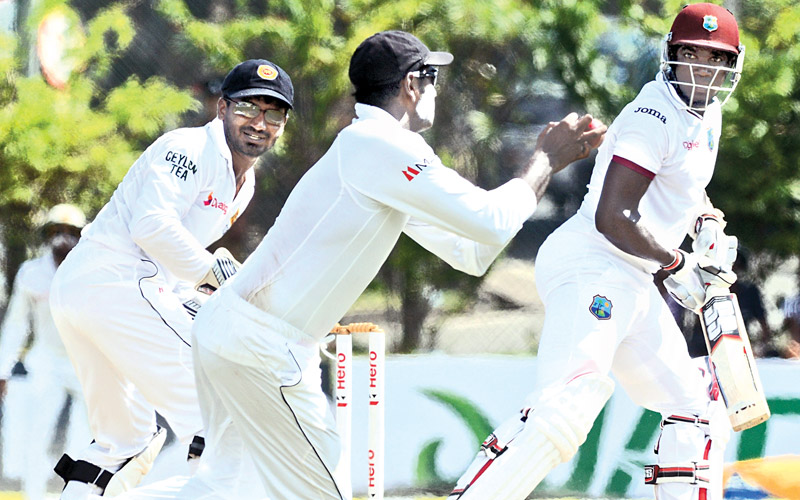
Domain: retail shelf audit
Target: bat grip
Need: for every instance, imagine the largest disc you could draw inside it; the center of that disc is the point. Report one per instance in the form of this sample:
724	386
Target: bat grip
716	291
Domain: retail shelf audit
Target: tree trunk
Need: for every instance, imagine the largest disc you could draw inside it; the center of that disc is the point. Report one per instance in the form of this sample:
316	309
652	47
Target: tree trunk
415	308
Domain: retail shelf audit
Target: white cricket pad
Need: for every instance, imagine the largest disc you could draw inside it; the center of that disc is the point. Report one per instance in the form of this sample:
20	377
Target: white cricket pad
522	451
690	453
132	472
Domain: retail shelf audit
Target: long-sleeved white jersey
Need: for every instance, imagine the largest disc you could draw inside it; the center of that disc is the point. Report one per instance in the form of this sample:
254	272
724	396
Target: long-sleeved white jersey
347	212
175	200
29	310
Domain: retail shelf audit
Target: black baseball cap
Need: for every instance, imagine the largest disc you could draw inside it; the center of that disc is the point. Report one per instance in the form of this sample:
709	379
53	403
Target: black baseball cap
386	57
258	77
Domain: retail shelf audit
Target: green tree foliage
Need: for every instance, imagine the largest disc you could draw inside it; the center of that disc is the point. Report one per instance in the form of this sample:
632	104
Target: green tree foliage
73	144
757	181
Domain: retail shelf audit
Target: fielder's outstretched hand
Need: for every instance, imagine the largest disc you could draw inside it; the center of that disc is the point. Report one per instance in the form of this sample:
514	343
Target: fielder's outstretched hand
571	139
558	145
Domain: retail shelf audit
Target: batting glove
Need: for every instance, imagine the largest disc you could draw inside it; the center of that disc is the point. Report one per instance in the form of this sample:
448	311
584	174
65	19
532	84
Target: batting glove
222	268
194	304
711	241
684	282
713	275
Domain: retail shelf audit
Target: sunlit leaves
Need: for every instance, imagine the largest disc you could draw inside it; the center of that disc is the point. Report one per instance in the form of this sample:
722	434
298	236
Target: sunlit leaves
76	143
164	104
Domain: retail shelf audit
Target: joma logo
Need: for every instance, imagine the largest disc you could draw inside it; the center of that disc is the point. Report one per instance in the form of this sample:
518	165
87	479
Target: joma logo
652	112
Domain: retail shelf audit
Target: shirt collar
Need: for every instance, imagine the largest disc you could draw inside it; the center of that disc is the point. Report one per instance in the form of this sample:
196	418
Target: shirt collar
216	132
367	112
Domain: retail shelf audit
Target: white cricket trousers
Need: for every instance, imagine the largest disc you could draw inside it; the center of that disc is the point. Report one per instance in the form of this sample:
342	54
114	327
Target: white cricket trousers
30	419
638	341
127	336
259	382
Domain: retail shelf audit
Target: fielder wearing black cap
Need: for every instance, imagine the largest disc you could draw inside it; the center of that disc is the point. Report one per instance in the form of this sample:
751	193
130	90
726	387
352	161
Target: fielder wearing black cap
386	57
256	98
194	183
258	77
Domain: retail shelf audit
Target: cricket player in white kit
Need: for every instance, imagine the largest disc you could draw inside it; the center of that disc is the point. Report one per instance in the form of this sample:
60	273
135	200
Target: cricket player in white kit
126	332
594	273
32	405
257	339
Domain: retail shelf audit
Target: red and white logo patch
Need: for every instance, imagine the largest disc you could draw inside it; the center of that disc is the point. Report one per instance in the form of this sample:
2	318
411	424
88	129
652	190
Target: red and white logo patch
411	172
215	203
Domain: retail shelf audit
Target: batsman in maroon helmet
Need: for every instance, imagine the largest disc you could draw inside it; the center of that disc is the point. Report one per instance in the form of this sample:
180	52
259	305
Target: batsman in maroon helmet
604	315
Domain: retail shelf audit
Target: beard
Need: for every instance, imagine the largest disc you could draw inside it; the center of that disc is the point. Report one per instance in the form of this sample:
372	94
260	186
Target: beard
61	244
239	143
425	112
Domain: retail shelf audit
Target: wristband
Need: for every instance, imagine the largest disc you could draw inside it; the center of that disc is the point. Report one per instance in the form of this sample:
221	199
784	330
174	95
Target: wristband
676	265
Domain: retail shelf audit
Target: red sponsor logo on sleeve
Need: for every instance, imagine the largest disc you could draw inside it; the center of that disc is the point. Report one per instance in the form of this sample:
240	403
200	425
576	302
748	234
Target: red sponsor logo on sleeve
411	172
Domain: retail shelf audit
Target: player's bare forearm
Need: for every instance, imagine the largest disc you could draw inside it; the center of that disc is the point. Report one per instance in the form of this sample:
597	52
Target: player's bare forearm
626	233
617	216
538	173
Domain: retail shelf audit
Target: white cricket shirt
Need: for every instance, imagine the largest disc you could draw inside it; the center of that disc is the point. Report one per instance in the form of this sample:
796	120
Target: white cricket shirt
656	136
29	310
175	200
347	212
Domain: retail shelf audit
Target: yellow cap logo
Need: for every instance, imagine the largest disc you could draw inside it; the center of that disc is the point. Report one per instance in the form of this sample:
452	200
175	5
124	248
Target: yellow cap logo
267	72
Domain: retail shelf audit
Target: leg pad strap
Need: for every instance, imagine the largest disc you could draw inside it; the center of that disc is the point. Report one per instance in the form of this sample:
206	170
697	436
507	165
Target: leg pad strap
690	473
82	471
196	448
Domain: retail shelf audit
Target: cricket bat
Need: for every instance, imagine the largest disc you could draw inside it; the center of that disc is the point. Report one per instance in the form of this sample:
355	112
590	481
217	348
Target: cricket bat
732	360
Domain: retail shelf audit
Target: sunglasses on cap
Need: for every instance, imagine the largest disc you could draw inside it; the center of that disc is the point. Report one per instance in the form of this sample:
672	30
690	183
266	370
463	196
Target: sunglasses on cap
431	72
250	111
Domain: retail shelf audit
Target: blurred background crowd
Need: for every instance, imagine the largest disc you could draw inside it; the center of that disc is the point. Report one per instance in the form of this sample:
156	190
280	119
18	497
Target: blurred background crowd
86	85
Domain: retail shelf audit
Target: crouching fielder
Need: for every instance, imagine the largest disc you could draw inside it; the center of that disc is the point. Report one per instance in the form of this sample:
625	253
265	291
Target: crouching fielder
114	299
594	273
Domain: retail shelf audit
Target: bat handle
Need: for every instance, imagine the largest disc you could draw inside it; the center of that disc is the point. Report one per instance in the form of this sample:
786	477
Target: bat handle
716	291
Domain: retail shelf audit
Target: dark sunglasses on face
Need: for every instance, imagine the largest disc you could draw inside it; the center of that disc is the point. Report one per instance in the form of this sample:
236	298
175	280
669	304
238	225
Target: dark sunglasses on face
56	229
250	111
431	72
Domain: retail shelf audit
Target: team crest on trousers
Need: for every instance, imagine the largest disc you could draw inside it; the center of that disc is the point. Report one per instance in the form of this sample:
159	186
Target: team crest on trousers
601	307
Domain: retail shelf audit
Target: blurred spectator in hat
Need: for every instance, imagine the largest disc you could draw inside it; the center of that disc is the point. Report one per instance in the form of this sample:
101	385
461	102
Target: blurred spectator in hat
34	402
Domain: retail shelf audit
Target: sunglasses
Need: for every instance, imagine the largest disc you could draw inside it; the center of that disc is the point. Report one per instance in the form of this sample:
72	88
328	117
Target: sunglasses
55	229
431	72
250	111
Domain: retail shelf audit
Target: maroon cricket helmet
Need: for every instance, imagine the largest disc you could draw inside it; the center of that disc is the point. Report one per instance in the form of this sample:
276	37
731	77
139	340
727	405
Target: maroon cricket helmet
706	25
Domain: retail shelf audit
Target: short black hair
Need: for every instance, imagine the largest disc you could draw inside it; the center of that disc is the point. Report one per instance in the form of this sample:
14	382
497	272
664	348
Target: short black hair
377	96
